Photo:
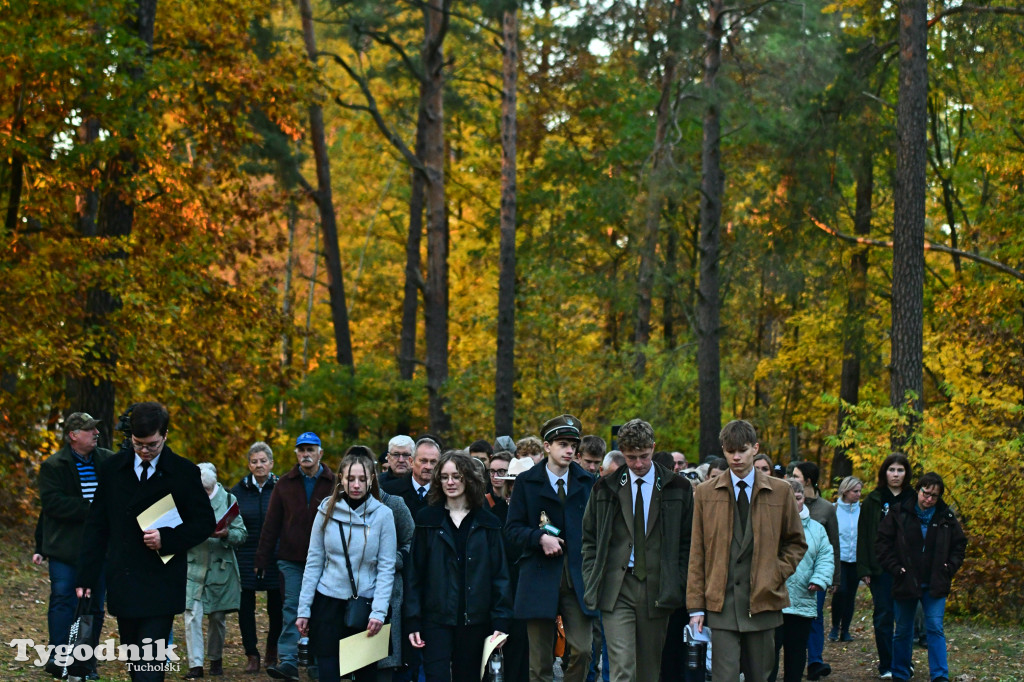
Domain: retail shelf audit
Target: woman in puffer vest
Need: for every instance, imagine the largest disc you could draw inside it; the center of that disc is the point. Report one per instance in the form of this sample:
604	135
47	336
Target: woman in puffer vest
813	574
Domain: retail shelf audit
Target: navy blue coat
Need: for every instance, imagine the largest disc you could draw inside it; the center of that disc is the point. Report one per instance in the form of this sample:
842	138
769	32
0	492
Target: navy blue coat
252	505
540	575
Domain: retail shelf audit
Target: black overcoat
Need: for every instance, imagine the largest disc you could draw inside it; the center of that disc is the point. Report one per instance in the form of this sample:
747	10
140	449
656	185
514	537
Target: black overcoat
139	583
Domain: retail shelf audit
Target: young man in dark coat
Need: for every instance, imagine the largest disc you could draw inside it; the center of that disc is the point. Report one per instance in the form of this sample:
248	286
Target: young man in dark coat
545	528
145	570
67	486
636	548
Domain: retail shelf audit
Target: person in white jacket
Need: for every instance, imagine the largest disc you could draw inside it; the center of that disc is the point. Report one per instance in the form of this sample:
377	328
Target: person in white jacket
353	509
813	574
848	516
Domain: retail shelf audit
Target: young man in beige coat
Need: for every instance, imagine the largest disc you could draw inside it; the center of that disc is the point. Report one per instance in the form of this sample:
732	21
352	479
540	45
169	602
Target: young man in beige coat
746	540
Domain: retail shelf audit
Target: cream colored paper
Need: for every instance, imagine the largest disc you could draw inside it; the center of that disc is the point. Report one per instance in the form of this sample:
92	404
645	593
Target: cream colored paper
489	647
358	650
161	514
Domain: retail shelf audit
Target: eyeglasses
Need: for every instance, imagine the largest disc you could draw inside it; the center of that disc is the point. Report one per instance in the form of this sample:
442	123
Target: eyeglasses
930	496
499	472
147	447
400	455
451	477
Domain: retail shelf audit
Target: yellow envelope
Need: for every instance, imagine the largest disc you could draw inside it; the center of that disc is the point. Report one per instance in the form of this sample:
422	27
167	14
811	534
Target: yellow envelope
161	514
359	650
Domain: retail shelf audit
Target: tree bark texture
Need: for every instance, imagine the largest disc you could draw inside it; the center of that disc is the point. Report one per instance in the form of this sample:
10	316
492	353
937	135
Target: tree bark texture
712	187
435	308
652	218
504	375
325	204
856	306
95	392
909	209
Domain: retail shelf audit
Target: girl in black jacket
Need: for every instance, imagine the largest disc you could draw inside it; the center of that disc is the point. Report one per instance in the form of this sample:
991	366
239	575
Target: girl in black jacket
920	543
458	583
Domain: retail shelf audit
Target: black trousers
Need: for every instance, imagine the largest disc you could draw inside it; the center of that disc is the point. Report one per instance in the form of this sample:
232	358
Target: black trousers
673	656
792	635
133	631
845	598
247	620
453	653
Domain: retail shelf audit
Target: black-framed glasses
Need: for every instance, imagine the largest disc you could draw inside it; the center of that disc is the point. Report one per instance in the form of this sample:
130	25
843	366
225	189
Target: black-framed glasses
400	455
499	472
147	447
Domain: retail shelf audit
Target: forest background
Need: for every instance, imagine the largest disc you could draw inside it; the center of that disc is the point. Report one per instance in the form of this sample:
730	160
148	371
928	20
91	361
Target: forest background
366	218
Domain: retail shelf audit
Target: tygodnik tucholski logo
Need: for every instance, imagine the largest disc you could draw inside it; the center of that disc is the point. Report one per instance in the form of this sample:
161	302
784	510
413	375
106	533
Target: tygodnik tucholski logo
153	655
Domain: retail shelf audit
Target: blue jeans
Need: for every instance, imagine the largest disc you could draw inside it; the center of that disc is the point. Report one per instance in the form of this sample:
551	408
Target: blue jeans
816	640
903	644
63	602
595	654
881	596
291	585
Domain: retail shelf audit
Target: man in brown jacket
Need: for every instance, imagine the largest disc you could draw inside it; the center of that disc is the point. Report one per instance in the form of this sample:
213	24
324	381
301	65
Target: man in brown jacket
746	540
285	533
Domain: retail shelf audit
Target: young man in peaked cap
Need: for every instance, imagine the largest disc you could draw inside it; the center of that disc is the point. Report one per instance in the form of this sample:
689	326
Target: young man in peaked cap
545	530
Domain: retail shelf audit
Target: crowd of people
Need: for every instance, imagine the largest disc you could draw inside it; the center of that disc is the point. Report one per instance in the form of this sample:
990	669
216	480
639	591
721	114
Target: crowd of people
550	550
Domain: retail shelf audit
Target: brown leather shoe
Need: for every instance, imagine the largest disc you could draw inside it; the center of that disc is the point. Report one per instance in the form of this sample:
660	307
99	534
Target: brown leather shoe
216	668
253	663
194	673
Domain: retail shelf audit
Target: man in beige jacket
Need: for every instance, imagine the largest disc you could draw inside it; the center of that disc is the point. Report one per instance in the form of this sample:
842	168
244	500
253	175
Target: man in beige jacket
746	540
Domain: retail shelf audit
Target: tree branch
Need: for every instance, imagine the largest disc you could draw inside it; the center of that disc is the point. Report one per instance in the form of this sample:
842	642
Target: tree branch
928	246
977	9
374	111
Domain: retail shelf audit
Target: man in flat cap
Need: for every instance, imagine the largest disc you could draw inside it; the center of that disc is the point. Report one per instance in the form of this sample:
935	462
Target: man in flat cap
67	484
545	530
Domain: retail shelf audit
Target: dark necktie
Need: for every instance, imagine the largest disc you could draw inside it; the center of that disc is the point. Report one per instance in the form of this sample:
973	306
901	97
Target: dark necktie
422	492
561	491
145	471
639	534
743	504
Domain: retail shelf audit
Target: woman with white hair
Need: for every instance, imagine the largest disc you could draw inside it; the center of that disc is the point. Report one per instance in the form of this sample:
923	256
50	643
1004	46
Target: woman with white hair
213	587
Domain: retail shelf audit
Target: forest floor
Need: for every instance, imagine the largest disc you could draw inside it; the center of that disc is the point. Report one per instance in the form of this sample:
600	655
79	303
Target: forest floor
977	652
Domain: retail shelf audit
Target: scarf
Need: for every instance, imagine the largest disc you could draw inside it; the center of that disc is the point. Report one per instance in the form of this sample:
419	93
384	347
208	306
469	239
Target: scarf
924	516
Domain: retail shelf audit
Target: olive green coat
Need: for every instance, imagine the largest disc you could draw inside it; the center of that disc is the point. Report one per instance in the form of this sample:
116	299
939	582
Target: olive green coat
212	567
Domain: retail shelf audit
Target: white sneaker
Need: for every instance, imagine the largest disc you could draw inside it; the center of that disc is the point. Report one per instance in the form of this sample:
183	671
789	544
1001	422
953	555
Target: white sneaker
887	675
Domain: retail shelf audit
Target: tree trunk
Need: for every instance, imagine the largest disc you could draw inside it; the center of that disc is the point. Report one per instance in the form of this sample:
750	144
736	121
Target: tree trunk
435	309
856	306
95	391
908	212
325	202
670	299
652	218
712	187
504	375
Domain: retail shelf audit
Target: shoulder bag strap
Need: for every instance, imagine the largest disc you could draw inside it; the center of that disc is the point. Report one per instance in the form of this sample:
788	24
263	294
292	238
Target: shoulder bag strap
348	562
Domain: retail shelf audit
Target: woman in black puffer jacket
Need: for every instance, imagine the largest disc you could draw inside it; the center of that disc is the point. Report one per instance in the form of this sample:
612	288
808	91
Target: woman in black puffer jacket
921	544
253	493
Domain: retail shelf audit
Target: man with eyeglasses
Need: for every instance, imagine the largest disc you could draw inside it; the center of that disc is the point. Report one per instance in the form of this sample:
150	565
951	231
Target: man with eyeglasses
399	458
145	570
497	469
289	521
67	486
414	487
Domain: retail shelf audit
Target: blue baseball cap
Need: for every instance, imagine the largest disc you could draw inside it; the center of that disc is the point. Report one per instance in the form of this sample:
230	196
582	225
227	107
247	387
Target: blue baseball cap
308	438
